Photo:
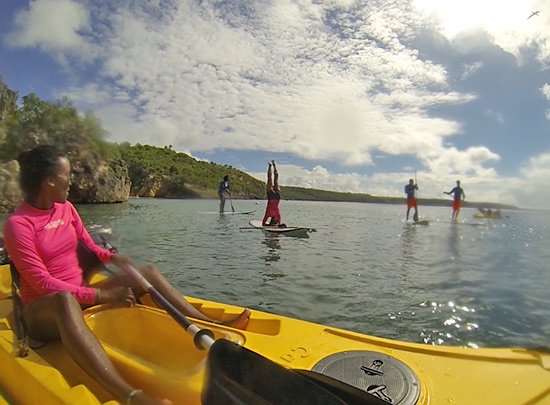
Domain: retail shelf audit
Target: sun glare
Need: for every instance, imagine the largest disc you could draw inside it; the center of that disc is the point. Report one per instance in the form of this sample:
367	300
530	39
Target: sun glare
494	16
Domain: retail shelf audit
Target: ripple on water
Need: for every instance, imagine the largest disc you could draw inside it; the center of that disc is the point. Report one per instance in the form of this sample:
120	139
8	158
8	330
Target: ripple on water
363	269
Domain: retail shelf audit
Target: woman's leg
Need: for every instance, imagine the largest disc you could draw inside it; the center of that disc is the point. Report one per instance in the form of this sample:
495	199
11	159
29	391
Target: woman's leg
222	202
269	180
157	280
59	316
276	175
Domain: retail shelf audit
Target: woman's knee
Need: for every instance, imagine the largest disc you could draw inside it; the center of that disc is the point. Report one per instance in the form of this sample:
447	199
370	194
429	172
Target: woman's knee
150	272
65	302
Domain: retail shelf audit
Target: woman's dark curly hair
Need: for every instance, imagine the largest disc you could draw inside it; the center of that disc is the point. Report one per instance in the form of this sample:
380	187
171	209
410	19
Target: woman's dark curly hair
35	165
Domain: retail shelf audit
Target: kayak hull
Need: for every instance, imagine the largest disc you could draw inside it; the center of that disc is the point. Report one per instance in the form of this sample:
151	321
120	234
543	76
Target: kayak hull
156	355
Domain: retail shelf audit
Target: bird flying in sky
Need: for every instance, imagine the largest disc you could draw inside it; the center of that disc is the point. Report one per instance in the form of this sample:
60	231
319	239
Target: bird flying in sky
534	13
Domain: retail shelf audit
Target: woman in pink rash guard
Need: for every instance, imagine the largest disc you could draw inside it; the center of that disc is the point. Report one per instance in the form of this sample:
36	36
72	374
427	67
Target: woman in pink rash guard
41	237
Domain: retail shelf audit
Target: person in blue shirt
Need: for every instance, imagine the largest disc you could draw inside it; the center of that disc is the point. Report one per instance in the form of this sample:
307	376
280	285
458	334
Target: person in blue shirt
223	192
458	197
410	190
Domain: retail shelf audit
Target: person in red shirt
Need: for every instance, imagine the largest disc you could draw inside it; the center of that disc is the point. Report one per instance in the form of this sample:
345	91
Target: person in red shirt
272	215
41	238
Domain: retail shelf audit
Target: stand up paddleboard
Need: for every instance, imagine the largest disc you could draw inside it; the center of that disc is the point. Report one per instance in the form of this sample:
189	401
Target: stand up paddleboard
462	223
228	212
296	231
422	222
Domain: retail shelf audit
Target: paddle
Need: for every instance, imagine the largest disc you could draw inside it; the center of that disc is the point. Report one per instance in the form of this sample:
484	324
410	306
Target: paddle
237	375
203	338
231	201
415	216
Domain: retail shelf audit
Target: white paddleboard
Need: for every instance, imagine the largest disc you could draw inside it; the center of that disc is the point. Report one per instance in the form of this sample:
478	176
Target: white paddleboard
421	222
462	223
288	230
228	212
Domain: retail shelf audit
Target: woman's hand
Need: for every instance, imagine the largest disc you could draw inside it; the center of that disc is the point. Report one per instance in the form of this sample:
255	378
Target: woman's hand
115	295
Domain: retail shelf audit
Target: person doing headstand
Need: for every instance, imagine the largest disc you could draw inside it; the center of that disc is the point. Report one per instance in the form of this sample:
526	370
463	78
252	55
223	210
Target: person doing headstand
272	215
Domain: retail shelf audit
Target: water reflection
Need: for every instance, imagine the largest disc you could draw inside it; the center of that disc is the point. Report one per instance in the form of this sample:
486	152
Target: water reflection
272	256
273	245
458	325
454	242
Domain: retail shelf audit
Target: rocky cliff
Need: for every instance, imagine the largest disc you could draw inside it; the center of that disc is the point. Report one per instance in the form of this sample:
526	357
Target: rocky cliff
93	182
10	195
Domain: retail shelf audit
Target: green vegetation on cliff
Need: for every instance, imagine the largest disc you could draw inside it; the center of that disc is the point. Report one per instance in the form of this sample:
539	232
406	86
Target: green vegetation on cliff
181	175
152	171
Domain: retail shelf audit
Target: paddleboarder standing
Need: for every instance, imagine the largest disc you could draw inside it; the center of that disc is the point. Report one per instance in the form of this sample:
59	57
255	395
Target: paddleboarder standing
410	190
458	197
272	212
223	192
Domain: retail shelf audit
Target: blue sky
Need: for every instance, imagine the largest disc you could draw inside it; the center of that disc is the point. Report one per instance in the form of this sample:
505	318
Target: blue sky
346	95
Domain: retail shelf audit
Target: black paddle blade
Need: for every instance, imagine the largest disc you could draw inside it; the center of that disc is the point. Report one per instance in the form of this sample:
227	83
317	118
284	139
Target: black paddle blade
238	376
415	217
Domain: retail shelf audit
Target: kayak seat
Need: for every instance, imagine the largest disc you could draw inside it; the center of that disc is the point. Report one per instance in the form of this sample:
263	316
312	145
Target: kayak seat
136	340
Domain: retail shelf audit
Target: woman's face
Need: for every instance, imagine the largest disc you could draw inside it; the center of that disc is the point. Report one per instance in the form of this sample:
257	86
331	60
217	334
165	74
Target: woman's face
62	180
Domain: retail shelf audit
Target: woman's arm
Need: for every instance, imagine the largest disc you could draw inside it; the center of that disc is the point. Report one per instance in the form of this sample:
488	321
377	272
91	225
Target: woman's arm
82	235
30	266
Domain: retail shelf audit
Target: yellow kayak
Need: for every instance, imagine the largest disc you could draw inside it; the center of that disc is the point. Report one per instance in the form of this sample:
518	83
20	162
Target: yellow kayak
154	353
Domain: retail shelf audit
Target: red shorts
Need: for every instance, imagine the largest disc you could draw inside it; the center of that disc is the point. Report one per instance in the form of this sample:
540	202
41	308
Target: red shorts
411	203
456	205
272	212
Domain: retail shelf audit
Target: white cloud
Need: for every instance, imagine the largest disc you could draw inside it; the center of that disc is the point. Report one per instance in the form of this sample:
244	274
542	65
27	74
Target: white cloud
499	117
470	69
506	22
546	92
334	80
54	26
319	178
277	79
532	189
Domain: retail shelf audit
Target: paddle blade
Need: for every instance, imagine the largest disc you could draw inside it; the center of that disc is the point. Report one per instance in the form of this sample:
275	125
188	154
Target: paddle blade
237	375
415	217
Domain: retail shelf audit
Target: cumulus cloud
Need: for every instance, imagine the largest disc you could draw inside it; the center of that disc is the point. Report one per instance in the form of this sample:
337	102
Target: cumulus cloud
320	82
54	26
331	81
546	92
470	69
532	188
508	26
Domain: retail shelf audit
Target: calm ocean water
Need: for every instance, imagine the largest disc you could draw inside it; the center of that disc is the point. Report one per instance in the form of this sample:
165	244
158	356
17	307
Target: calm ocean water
364	269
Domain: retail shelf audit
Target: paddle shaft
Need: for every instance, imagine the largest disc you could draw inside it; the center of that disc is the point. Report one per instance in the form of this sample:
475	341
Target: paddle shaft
231	202
203	337
253	363
415	216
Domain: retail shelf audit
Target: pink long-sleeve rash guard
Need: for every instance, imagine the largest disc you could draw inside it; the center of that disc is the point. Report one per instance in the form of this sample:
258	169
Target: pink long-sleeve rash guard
42	245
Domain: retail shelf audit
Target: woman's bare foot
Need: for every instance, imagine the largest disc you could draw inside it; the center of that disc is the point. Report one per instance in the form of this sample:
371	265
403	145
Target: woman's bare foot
240	321
139	398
